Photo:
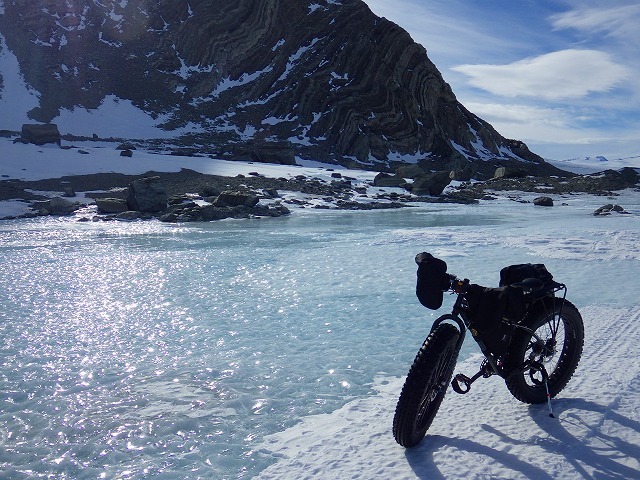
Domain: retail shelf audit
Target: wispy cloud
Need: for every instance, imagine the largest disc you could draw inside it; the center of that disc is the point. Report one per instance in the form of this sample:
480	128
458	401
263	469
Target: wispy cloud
558	75
618	21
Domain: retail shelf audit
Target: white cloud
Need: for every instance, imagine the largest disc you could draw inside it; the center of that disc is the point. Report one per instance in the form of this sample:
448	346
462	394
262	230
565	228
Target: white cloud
557	132
558	75
619	21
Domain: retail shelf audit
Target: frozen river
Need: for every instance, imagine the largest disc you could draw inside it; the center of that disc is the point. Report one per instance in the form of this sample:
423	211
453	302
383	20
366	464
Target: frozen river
147	350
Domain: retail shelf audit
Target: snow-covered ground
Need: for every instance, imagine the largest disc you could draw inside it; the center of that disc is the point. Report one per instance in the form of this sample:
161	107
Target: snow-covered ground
485	434
30	162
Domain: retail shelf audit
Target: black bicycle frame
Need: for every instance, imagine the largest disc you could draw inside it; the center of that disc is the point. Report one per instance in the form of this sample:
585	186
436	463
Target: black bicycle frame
459	315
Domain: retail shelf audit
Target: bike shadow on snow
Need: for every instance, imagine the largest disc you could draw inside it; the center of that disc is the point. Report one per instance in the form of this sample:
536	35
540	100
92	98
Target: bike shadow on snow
425	466
579	452
596	448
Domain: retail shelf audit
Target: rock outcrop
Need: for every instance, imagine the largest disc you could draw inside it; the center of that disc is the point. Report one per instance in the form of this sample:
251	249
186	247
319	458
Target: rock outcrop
147	195
431	183
40	134
319	79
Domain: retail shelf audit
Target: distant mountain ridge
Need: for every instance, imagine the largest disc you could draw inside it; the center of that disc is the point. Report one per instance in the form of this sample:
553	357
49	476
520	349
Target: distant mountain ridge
326	79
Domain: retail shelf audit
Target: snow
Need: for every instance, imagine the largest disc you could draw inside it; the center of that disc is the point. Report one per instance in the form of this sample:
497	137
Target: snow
484	434
588	165
294	58
130	121
31	162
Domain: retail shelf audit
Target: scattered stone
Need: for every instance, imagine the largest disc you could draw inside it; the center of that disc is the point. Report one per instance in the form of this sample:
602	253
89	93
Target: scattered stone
234	199
510	172
147	195
608	209
126	146
385	180
464	175
431	183
274	152
40	134
55	206
409	171
126	153
543	201
111	205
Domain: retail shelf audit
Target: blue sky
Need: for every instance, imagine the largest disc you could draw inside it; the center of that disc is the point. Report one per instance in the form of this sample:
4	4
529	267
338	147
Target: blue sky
563	76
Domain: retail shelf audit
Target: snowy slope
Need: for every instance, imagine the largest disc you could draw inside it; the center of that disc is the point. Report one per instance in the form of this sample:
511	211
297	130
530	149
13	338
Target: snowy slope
487	433
586	165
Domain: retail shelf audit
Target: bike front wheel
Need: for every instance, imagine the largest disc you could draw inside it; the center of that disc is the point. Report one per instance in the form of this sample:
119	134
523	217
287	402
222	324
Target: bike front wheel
426	385
554	340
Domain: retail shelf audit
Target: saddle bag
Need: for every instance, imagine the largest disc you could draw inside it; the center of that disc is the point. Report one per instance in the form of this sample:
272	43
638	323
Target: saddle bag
491	310
517	273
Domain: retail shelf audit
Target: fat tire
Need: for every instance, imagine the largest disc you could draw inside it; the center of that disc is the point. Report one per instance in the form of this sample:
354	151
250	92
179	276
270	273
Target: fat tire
567	355
426	385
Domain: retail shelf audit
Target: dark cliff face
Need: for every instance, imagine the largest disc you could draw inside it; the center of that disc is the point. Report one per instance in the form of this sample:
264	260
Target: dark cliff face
327	76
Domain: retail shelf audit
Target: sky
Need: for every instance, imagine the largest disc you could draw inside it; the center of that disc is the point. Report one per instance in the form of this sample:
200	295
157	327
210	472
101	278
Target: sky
562	76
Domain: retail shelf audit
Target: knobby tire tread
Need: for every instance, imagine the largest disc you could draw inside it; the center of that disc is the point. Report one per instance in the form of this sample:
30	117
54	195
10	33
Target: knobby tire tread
431	370
570	352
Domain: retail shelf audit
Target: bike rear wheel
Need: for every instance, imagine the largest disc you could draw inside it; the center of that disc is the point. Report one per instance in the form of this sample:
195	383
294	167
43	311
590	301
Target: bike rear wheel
426	385
557	345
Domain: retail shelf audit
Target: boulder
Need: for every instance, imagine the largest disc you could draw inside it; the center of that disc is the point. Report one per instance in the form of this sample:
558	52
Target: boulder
126	146
543	201
55	206
608	209
209	191
409	171
147	195
234	199
463	175
280	153
126	153
431	183
40	134
111	205
510	172
386	180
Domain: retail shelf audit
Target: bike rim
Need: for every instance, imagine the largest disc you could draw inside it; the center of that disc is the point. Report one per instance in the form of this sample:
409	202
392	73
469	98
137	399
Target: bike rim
546	348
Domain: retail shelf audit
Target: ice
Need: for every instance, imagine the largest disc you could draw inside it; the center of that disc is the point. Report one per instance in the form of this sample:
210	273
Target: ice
277	348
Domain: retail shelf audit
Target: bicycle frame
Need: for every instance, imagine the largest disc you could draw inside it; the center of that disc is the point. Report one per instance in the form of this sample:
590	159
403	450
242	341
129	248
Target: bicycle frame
460	316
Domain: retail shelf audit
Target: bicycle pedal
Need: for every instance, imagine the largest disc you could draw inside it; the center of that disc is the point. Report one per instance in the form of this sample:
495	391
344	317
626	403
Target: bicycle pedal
461	384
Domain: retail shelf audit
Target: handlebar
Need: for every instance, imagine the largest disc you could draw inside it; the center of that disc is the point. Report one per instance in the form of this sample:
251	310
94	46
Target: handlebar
458	286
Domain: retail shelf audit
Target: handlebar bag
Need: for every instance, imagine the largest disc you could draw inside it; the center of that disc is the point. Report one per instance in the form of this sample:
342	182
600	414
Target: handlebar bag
432	280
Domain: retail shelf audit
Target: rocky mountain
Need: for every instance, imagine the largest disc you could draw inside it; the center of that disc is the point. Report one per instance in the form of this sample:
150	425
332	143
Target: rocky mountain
321	79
